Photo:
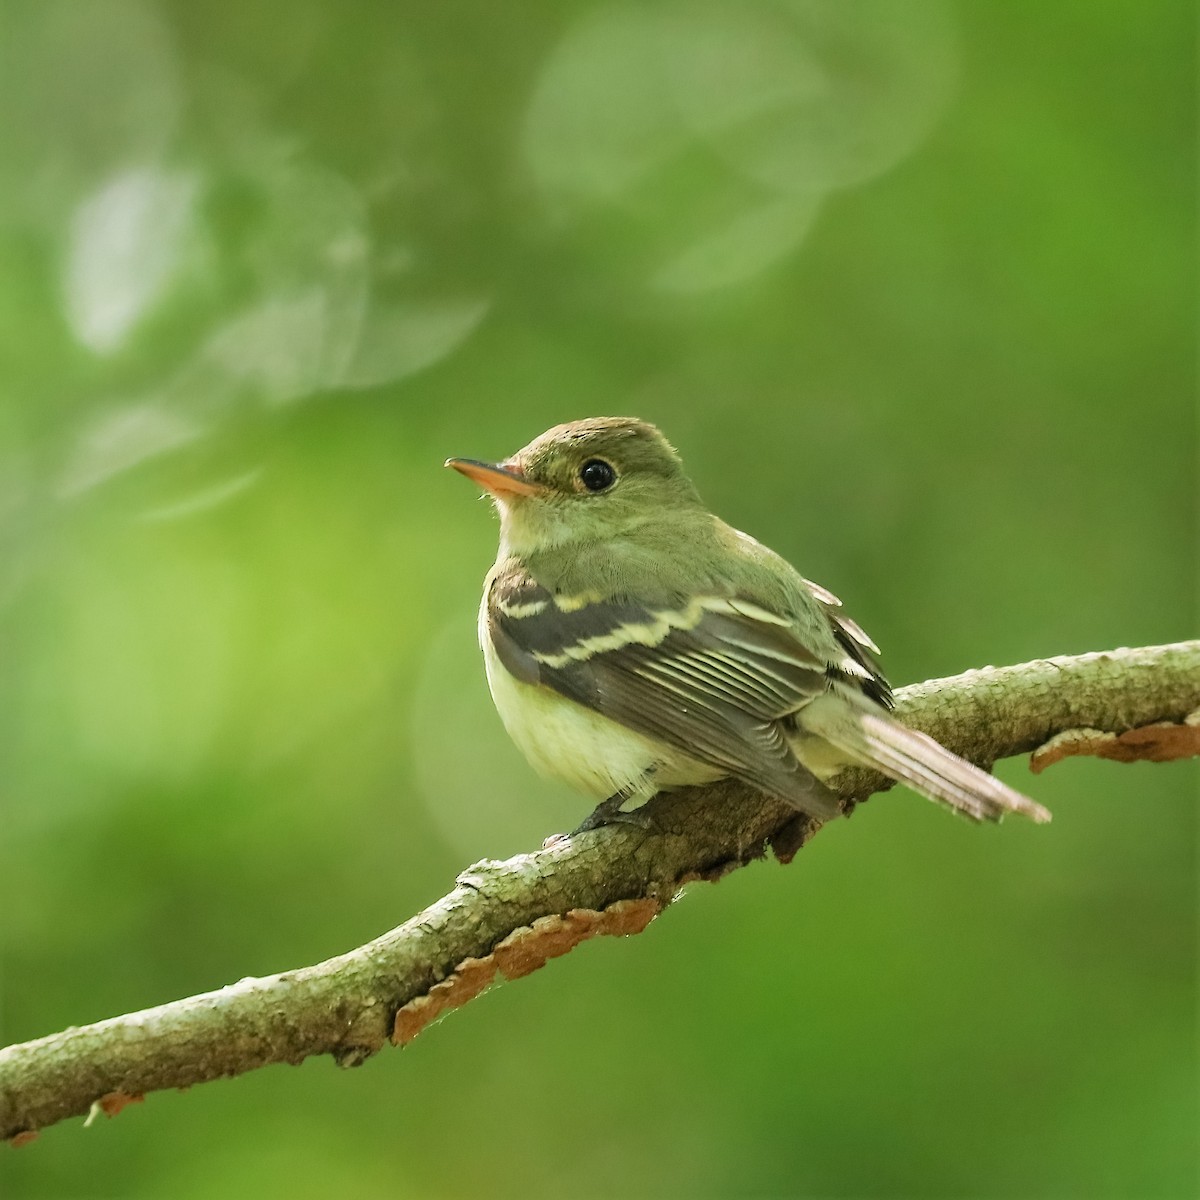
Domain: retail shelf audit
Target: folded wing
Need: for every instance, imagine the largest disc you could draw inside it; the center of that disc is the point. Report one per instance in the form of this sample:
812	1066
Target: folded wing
718	678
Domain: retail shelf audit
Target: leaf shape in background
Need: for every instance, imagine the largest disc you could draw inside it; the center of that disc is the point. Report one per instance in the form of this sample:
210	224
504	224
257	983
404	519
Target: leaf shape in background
122	439
686	121
402	338
600	117
810	94
204	500
277	348
125	243
742	249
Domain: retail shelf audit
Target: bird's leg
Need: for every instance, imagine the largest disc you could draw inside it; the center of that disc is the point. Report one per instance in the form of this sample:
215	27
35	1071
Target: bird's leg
609	812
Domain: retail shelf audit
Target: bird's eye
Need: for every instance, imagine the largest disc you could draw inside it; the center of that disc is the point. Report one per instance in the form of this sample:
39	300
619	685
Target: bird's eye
596	475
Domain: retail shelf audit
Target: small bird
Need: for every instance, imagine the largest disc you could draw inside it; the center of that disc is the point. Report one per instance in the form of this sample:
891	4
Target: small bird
634	642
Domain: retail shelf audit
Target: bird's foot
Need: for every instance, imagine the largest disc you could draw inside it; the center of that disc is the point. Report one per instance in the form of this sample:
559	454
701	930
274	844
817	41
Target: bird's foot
609	812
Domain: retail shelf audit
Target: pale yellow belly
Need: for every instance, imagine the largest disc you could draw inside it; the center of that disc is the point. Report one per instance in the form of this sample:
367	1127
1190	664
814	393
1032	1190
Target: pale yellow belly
566	741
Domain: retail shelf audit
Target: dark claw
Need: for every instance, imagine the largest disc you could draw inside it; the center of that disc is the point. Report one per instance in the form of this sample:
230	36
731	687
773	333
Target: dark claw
608	812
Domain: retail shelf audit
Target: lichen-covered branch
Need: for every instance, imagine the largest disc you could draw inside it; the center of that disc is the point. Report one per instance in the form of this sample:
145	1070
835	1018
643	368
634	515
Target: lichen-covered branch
508	918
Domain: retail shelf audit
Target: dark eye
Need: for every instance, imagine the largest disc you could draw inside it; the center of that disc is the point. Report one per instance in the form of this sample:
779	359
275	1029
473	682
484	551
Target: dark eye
596	475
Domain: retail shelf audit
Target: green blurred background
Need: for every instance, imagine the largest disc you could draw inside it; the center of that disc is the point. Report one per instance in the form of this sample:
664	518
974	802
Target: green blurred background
911	286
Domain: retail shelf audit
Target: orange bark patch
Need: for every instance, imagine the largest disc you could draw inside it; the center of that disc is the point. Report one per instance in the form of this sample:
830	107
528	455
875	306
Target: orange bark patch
470	977
532	946
112	1103
1161	742
523	951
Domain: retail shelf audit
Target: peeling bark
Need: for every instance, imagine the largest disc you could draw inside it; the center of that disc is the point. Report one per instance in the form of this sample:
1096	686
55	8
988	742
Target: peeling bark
1163	741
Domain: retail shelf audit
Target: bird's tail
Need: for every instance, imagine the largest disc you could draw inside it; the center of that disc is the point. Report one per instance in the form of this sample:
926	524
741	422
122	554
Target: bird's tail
875	740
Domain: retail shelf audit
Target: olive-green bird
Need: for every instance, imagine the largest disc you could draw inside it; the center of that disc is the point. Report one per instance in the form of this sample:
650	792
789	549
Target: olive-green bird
635	642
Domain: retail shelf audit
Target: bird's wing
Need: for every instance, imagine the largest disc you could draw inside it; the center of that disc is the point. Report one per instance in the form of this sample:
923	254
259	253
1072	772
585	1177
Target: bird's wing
717	677
858	663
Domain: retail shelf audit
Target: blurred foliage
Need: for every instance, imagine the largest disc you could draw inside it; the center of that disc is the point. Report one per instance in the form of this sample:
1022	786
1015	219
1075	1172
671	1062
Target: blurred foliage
911	286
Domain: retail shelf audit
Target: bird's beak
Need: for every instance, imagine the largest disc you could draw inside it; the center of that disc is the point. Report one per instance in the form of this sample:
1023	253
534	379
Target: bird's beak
498	478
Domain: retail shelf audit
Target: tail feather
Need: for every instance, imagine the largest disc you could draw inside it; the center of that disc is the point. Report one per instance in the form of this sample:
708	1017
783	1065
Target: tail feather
878	741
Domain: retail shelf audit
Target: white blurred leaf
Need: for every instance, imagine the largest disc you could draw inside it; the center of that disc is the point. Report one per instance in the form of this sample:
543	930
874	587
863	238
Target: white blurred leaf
277	347
310	256
741	250
122	440
799	96
205	499
126	241
805	95
401	339
601	116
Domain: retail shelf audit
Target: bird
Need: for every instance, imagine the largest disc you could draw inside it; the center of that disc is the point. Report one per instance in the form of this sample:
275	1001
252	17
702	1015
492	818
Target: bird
634	642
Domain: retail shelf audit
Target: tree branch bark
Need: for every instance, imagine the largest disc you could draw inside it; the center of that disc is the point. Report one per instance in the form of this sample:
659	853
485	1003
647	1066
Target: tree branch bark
509	918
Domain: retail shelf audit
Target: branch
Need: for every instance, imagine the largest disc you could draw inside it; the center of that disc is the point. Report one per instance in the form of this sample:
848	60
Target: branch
509	918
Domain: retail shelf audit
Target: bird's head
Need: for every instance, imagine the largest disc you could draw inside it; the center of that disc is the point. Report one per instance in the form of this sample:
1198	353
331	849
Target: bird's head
586	481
